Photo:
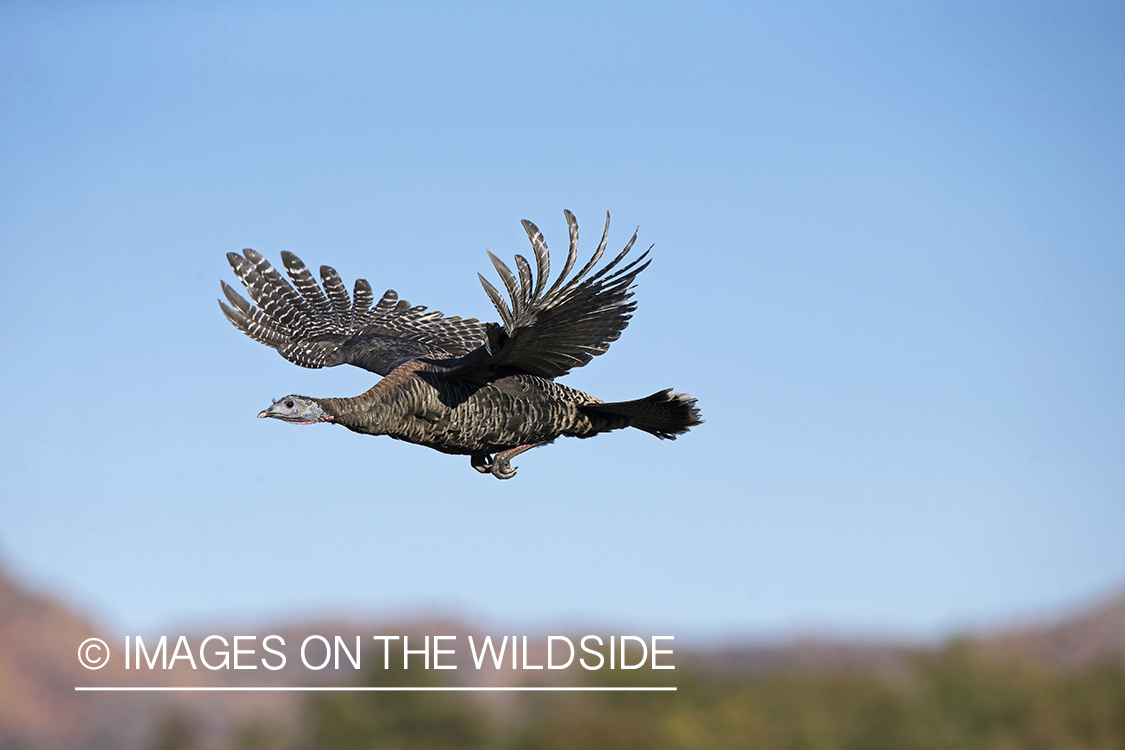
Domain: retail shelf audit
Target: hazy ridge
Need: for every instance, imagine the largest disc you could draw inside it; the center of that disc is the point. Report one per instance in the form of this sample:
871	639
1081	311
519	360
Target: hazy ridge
39	707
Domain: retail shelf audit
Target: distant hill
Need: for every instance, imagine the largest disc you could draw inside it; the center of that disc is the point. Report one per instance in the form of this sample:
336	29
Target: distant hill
38	672
40	710
39	669
1094	636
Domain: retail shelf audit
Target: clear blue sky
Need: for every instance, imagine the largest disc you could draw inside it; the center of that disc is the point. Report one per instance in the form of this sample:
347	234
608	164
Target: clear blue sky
889	262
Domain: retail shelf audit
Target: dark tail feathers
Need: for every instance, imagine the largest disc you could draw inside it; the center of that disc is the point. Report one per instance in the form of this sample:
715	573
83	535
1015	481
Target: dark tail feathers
664	414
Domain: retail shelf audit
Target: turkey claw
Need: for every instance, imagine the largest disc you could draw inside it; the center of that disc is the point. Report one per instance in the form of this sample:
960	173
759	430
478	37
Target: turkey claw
501	469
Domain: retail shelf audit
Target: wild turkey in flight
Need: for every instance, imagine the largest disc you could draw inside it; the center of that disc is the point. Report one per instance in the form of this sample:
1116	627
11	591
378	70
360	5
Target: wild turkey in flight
459	386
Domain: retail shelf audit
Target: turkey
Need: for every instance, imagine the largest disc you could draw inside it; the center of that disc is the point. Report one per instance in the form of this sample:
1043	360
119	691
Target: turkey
486	390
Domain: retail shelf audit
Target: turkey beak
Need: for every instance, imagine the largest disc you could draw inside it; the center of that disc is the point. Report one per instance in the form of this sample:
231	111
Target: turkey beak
263	413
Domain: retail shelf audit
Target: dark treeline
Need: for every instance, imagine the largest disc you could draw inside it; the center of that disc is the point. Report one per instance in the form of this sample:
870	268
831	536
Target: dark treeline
946	700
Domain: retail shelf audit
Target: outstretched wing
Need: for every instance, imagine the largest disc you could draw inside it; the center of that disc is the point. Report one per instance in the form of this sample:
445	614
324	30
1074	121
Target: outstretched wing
315	327
548	333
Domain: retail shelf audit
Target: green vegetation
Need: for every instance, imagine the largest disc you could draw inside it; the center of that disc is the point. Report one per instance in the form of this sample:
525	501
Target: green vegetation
399	720
949	700
952	700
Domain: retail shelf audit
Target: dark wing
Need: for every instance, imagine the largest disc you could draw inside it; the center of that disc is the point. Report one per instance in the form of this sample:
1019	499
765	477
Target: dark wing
548	333
315	327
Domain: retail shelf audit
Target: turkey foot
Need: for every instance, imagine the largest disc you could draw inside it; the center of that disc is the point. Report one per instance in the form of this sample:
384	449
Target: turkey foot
500	467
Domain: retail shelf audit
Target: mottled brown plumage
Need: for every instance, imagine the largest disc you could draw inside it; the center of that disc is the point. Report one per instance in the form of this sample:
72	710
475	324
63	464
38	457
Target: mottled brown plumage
457	385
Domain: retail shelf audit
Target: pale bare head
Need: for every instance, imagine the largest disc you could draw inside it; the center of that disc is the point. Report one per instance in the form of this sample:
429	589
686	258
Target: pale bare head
297	410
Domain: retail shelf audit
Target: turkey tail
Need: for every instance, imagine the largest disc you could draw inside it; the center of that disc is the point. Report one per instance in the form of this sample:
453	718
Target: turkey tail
664	414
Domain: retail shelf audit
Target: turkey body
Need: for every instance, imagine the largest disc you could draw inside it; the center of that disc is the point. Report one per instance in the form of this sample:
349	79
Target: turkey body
414	403
456	385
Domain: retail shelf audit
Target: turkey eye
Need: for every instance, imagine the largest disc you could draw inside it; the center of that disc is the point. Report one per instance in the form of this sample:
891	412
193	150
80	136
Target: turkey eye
288	404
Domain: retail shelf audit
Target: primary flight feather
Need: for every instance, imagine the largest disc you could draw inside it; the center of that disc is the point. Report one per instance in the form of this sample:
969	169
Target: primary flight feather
455	384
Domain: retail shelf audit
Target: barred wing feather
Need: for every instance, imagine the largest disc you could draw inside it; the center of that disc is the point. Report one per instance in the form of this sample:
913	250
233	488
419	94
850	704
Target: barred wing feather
322	327
550	333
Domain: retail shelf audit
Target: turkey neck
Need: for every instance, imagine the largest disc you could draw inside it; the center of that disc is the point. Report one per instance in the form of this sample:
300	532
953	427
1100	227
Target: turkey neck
376	411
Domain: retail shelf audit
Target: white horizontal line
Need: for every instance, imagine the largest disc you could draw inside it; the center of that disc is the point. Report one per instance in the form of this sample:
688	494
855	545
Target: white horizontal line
367	689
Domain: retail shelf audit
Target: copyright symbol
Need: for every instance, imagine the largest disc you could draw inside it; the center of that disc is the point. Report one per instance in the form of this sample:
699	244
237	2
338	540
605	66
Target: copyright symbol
93	653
